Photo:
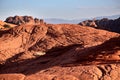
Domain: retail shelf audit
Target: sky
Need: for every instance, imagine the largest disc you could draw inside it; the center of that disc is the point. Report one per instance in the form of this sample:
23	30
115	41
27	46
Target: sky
63	9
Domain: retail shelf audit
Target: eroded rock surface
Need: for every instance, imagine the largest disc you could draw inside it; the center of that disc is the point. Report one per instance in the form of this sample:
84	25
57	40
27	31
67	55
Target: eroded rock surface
59	52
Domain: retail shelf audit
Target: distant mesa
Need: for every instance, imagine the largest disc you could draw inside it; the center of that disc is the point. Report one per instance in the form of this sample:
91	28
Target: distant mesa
105	23
18	20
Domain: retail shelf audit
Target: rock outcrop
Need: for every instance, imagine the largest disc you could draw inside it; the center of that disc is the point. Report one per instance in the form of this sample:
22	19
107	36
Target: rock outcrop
59	52
35	38
18	20
106	24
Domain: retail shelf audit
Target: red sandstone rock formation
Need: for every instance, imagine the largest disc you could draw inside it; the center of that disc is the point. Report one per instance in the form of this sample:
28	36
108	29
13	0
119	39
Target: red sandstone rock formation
59	52
106	24
18	20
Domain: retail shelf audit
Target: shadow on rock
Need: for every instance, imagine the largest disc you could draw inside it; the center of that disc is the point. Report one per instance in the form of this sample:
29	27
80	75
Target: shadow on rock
71	55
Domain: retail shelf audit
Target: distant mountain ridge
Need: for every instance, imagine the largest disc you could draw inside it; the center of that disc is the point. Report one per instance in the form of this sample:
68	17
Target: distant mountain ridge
76	21
59	21
109	17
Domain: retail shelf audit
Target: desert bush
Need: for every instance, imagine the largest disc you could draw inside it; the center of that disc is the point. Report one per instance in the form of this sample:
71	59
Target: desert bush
6	26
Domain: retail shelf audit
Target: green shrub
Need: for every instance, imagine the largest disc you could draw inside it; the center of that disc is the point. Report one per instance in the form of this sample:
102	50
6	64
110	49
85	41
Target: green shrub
6	26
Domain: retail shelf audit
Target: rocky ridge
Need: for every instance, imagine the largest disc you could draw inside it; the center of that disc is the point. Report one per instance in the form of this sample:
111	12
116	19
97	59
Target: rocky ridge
47	51
106	24
18	20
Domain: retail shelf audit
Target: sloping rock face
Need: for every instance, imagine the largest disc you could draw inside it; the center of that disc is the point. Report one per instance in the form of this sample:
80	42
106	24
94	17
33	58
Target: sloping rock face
59	52
111	25
37	38
18	20
19	39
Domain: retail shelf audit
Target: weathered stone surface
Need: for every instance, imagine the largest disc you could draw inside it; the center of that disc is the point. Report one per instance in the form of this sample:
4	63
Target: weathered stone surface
12	77
71	52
